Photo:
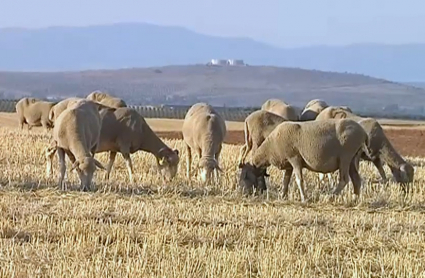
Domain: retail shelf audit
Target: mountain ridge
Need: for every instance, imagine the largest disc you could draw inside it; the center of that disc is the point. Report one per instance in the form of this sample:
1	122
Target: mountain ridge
126	45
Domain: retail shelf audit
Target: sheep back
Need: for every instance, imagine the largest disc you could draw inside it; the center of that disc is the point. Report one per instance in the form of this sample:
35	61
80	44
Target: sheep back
203	126
34	111
78	128
320	144
280	108
259	124
312	109
106	99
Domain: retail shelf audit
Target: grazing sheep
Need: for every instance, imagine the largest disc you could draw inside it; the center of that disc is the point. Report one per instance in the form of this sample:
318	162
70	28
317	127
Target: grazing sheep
59	107
312	109
257	127
203	132
281	108
34	112
106	99
318	146
381	149
76	134
124	130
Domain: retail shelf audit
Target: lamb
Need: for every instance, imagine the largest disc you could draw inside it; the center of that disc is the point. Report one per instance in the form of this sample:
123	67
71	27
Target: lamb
280	108
76	134
257	127
323	147
34	112
203	132
381	149
124	130
312	109
59	107
106	99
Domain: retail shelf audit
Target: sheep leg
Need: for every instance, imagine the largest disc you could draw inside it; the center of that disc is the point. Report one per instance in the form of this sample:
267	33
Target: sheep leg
112	156
129	165
378	164
298	169
286	180
243	153
343	177
61	156
45	125
300	182
355	178
50	152
21	123
188	161
322	177
217	157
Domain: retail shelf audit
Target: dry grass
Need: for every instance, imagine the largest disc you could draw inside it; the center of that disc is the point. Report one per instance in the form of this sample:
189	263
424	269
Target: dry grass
183	229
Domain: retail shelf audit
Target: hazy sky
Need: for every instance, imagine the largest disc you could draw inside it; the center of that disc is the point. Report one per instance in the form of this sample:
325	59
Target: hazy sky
280	22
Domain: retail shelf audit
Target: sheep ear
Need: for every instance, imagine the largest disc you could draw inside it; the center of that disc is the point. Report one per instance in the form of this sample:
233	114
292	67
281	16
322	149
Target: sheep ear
50	151
75	165
176	151
98	164
241	165
162	161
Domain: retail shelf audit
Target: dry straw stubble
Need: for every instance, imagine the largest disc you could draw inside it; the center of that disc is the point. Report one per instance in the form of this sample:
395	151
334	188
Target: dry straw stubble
184	229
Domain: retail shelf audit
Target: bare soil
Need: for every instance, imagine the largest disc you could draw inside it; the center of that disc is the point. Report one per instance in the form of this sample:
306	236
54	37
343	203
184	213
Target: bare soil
407	141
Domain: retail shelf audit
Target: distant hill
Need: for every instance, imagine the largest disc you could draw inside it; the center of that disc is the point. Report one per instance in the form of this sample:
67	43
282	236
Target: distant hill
218	85
416	84
145	45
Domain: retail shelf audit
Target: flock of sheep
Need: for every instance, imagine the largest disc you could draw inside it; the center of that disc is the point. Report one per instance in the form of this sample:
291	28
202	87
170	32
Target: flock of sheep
320	138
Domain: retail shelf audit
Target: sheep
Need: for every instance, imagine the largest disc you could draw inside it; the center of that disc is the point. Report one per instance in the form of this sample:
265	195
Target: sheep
59	107
106	99
318	146
203	132
257	127
34	112
381	149
312	109
124	130
76	134
280	108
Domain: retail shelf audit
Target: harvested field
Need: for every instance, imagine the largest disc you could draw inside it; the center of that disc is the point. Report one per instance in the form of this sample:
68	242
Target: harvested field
184	229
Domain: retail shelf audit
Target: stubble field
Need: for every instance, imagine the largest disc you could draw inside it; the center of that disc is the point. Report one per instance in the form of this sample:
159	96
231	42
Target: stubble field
185	229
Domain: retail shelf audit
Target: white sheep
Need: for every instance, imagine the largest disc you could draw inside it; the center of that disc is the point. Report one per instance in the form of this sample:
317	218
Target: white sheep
381	149
281	108
203	132
59	107
323	147
34	112
312	109
106	99
124	130
257	127
76	134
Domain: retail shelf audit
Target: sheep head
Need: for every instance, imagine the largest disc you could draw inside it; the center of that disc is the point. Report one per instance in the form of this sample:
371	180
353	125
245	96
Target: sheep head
252	178
85	168
168	161
404	173
206	166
